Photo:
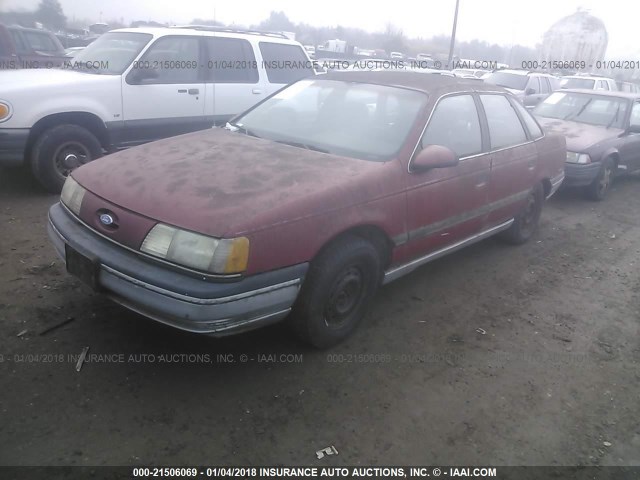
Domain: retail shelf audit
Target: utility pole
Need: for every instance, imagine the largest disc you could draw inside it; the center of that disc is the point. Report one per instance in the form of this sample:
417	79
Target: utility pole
453	34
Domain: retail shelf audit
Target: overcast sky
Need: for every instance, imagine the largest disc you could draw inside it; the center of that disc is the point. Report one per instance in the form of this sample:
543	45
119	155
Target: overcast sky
497	21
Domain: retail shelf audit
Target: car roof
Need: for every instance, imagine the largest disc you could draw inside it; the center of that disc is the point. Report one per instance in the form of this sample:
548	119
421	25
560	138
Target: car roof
588	77
602	93
413	80
205	30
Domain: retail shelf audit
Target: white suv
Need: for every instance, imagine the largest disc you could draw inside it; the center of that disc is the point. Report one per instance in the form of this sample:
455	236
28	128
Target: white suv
589	82
136	85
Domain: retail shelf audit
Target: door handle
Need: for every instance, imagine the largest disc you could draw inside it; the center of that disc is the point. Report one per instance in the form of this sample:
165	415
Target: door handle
256	91
194	91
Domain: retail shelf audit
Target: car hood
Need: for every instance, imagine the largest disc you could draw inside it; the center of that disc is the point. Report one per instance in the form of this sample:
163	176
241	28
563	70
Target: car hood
223	183
29	79
580	136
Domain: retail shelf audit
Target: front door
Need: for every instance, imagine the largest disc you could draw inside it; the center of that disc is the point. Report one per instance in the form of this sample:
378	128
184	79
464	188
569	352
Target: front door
163	93
446	205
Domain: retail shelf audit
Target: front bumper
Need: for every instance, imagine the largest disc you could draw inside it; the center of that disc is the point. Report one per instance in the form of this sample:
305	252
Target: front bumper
13	142
580	175
187	302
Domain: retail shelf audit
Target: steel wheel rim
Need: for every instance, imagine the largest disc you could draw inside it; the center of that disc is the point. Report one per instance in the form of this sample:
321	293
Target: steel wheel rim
528	219
345	296
605	180
62	157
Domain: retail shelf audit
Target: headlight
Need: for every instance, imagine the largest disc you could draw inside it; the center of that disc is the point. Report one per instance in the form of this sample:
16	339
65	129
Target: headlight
222	256
72	195
5	111
573	157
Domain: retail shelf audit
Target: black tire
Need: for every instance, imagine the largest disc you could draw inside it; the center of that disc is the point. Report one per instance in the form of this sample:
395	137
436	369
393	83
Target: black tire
337	291
600	187
526	222
54	145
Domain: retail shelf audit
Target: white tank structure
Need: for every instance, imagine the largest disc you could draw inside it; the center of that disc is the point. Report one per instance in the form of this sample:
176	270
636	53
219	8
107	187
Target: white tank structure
576	37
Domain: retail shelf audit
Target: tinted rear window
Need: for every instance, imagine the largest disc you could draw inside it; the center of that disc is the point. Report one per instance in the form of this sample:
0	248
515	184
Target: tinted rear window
285	63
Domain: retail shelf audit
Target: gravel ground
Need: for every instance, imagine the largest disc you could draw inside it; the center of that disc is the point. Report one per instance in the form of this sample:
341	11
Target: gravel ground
494	355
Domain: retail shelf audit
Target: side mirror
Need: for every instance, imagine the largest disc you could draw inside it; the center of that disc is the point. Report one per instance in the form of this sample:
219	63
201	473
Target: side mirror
634	128
529	91
139	75
434	156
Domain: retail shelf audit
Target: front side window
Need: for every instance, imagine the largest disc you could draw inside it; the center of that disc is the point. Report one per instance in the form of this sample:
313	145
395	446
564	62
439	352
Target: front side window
358	120
592	109
534	84
505	129
173	60
455	124
231	60
545	87
285	63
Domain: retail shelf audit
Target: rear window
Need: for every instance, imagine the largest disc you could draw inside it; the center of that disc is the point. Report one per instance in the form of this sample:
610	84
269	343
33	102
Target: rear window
578	83
285	63
508	80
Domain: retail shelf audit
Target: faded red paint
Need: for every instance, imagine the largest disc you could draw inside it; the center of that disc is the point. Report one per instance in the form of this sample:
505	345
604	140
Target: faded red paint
290	202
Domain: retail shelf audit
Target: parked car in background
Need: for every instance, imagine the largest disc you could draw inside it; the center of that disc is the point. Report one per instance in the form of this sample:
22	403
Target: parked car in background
396	56
469	72
29	48
628	87
308	202
529	87
311	51
588	82
603	135
137	85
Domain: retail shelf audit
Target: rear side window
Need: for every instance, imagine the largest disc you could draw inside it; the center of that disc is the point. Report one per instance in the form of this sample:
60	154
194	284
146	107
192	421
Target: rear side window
505	128
285	63
544	85
231	60
455	124
529	121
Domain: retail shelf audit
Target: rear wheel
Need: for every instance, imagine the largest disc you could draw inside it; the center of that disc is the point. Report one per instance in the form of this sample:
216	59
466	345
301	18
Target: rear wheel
600	187
526	222
340	284
60	150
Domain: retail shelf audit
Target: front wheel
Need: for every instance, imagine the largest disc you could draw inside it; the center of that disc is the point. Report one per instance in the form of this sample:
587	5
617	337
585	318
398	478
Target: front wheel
340	284
526	222
60	150
600	187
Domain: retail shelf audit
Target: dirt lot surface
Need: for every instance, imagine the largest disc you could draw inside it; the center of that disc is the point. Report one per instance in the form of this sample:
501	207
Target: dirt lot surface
494	355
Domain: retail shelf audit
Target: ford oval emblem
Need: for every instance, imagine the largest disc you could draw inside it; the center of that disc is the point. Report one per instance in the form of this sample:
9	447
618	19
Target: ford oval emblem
106	219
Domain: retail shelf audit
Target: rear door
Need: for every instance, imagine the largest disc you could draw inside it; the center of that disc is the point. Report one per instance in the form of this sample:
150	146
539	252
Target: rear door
233	82
169	98
630	149
514	157
445	205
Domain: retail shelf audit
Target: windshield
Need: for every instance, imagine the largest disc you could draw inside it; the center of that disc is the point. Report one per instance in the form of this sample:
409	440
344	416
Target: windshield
585	108
508	80
110	54
577	83
358	120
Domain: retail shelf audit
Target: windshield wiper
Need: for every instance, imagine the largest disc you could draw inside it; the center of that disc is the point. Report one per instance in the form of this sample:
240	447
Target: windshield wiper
571	115
303	145
244	130
615	117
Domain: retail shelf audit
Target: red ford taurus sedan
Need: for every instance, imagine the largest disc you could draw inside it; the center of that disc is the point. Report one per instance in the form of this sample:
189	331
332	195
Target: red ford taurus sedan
304	205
